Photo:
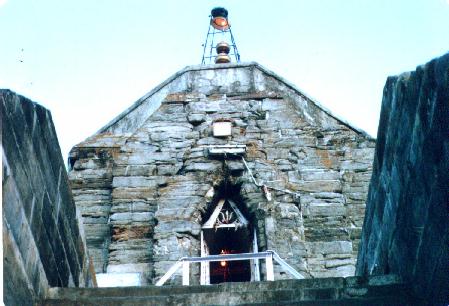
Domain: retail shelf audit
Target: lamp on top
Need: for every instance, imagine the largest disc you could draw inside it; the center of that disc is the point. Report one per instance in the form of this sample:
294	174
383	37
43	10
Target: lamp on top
219	18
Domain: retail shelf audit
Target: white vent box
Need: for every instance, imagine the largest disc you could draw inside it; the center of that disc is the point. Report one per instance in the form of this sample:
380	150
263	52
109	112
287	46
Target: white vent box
222	128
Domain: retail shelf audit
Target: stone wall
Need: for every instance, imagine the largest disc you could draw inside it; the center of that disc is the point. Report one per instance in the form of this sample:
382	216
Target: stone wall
43	244
145	176
94	168
406	225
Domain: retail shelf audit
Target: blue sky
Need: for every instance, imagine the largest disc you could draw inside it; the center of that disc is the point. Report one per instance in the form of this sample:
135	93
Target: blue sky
87	61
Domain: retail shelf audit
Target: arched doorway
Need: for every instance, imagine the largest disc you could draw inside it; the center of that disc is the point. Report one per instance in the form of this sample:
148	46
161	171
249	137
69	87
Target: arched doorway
227	231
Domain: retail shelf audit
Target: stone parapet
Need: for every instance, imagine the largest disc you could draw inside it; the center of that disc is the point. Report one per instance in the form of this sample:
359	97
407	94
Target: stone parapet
406	229
43	242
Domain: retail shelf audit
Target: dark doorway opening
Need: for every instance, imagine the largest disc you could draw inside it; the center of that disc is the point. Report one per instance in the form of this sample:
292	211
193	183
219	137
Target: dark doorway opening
227	230
229	241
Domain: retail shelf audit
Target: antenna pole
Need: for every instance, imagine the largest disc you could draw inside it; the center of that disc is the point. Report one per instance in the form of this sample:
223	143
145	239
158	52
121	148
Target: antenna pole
205	45
236	52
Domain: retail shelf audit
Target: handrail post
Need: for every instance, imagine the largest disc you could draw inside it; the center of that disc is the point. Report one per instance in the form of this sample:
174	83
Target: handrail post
256	260
185	273
269	267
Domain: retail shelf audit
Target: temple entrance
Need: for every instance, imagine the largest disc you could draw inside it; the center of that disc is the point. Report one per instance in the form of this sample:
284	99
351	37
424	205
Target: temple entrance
227	231
228	241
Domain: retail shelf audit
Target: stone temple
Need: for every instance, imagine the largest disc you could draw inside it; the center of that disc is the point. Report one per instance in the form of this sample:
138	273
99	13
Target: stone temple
227	158
222	162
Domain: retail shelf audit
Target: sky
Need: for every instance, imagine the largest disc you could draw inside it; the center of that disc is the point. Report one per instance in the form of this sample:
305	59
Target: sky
87	61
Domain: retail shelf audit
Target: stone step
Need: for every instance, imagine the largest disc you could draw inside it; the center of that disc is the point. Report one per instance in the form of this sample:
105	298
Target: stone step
356	290
212	298
334	282
399	300
276	299
72	293
283	297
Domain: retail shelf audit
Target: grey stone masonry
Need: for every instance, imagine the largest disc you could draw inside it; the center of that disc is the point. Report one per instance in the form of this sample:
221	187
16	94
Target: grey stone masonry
43	243
385	290
406	230
141	181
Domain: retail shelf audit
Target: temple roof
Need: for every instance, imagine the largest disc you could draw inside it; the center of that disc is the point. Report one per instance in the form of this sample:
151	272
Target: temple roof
249	79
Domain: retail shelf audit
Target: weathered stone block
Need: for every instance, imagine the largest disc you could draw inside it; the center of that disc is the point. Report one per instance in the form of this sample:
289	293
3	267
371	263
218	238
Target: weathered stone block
124	233
316	175
133	181
134	170
196	119
326	209
339	262
126	218
331	247
199	166
321	185
167	228
133	193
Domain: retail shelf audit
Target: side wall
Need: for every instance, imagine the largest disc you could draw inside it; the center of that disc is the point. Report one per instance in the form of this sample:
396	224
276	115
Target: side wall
91	184
42	241
406	224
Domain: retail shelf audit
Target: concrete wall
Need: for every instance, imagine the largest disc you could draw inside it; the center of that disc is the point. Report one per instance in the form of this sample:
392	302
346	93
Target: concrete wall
406	224
43	242
141	182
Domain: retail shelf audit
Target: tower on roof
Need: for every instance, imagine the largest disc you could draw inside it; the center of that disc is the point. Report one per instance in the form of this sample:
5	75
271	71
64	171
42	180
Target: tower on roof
219	30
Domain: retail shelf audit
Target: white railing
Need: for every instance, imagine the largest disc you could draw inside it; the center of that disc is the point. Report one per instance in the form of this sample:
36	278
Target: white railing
267	255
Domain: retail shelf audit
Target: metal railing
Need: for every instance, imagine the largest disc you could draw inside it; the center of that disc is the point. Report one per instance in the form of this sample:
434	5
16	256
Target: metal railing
267	255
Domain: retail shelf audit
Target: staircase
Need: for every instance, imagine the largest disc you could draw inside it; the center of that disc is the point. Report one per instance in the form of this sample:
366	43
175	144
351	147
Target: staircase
376	290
